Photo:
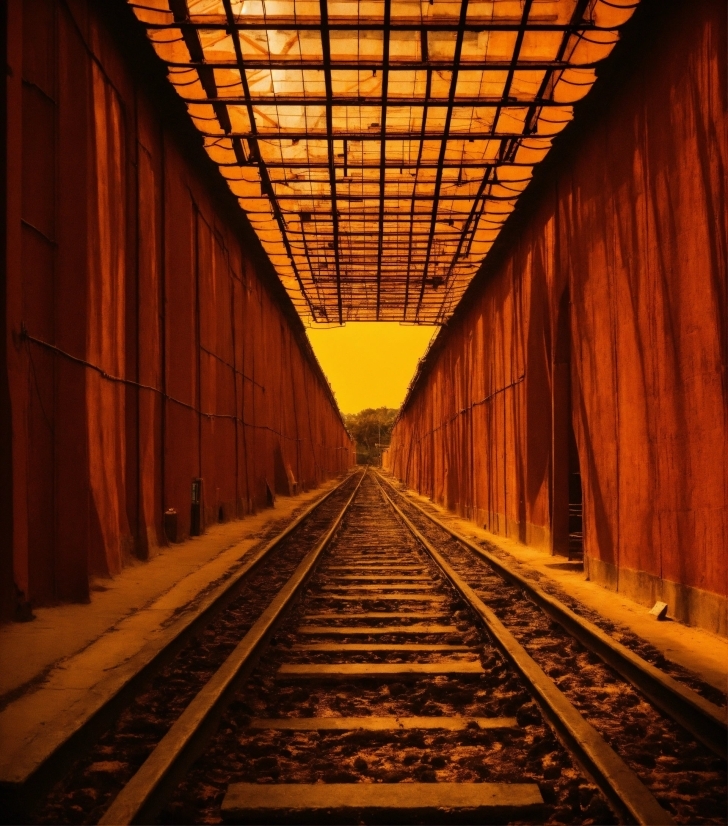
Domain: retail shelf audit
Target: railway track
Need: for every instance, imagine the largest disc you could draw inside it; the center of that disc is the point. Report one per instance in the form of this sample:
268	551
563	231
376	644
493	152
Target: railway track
380	682
705	720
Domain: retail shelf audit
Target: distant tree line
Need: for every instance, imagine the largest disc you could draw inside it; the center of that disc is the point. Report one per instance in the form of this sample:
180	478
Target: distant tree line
371	430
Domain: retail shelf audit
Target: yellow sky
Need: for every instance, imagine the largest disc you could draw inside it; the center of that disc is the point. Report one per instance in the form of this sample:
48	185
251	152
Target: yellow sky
369	364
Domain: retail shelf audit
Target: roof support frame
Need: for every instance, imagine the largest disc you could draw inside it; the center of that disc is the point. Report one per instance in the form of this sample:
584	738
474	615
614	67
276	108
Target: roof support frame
392	164
371	64
443	146
340	23
507	150
191	36
310	135
474	211
459	129
418	165
326	46
383	146
355	199
254	152
374	102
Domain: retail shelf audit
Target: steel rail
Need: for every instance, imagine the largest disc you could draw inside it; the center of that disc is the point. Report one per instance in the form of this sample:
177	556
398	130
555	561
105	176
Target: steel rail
706	721
145	793
45	760
620	784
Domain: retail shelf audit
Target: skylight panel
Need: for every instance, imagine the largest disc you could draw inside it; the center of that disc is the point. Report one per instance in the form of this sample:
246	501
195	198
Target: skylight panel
378	147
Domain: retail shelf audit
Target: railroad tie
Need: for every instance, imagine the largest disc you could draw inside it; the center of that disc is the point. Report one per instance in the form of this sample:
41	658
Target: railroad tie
387	802
396	670
340	589
384	564
367	562
376	631
378	577
410	648
379	597
375	566
383	723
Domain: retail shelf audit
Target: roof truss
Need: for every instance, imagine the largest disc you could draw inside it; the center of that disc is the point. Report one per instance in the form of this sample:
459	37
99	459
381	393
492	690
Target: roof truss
378	146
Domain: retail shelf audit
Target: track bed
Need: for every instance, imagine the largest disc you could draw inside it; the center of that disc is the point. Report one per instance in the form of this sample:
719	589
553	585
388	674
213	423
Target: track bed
383	694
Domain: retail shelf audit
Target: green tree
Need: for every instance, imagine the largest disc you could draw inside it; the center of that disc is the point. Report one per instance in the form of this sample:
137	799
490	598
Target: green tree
371	430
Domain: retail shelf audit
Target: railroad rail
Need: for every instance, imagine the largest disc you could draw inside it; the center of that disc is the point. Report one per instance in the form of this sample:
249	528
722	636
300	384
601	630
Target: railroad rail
30	774
703	719
380	669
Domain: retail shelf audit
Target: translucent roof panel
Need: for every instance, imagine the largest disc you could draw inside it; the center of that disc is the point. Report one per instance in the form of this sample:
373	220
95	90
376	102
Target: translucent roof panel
378	147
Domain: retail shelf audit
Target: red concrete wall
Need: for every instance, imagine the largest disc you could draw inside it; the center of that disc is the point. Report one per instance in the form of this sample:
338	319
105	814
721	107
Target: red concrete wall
606	295
148	340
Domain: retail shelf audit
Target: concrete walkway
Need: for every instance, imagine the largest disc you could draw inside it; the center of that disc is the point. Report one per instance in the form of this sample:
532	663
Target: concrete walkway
59	667
126	610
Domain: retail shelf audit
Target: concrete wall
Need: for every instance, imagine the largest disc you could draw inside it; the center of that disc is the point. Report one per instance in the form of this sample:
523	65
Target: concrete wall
603	305
148	341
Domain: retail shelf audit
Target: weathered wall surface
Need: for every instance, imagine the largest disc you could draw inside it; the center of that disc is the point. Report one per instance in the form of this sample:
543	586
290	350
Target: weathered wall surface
148	342
605	303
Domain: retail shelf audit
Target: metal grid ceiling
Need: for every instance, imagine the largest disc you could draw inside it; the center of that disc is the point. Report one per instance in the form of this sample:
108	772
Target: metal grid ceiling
377	147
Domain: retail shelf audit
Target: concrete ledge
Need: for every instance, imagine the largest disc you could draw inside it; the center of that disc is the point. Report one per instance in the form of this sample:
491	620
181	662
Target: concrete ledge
692	606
